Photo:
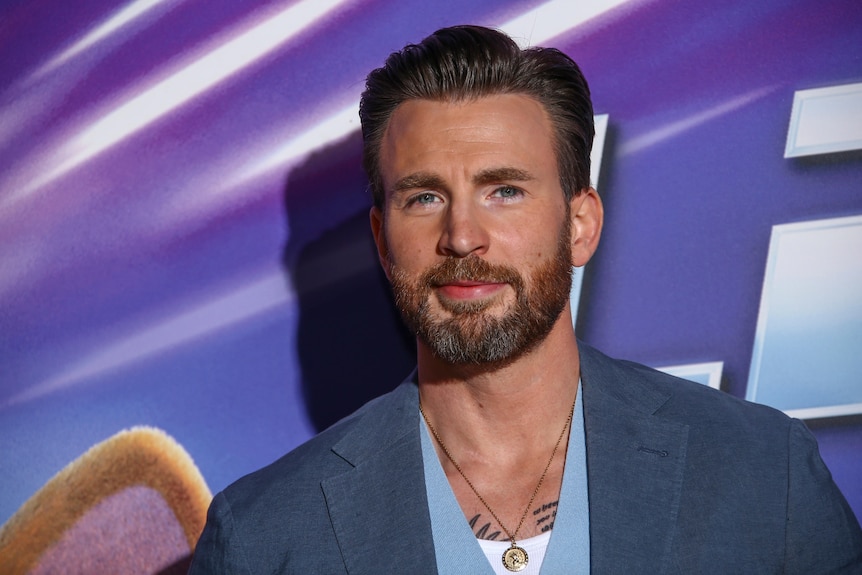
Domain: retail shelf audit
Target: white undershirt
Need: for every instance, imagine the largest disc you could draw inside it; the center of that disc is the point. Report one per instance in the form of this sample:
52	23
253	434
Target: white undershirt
534	546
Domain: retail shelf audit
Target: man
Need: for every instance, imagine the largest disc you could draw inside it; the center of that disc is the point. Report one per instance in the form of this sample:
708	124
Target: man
513	447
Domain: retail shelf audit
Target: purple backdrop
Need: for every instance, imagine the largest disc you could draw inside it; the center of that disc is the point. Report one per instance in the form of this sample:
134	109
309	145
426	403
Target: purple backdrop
183	220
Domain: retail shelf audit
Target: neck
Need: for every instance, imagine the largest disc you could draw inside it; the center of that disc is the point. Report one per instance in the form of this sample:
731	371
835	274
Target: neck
511	408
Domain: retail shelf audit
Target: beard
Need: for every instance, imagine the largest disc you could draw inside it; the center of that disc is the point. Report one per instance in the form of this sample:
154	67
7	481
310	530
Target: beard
469	333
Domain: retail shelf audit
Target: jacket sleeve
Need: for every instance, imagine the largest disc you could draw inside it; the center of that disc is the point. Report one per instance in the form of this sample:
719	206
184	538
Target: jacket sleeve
823	534
219	549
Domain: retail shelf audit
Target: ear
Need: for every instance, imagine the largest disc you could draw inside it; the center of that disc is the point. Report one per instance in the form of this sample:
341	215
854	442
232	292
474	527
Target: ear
587	216
376	217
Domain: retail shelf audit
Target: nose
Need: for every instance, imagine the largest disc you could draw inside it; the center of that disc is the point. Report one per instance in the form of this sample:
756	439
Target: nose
464	232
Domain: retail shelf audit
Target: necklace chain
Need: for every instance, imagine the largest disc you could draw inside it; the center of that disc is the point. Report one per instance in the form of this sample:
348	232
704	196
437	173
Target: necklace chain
512	535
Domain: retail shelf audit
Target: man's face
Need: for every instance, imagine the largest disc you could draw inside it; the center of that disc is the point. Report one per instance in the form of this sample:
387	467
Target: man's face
476	235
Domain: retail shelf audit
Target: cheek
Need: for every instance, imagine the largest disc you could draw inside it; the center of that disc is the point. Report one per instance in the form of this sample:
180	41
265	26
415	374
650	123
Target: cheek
410	245
530	243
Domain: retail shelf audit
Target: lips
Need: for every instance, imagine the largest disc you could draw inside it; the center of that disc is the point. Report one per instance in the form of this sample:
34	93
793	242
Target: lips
466	289
469	278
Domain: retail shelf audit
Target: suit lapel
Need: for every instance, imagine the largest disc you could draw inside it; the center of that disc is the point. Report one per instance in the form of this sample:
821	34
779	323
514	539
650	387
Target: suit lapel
635	464
379	508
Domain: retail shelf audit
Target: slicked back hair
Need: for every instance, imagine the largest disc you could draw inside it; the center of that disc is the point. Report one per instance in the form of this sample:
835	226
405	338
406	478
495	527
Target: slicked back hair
464	63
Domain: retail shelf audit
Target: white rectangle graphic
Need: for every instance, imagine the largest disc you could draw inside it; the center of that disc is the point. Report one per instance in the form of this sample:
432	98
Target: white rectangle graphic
825	120
807	358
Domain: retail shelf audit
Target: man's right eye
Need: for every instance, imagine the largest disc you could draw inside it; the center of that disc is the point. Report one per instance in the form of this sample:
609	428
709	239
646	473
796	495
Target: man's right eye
424	198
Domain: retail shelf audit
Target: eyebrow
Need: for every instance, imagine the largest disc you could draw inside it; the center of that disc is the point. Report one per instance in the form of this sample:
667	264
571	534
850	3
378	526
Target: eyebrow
419	180
499	175
488	176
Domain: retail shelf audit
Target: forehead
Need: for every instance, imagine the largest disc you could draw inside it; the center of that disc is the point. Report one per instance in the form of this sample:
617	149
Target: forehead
455	139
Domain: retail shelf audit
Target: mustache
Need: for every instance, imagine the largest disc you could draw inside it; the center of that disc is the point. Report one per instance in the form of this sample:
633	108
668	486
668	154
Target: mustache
471	268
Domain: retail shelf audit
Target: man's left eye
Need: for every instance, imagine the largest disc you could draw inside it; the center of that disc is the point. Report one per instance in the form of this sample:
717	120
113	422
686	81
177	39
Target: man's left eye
507	192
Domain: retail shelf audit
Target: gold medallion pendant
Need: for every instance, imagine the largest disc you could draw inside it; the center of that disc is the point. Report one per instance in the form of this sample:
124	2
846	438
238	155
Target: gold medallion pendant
515	558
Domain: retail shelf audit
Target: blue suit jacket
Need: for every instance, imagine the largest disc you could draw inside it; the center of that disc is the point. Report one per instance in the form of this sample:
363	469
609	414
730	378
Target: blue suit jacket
682	479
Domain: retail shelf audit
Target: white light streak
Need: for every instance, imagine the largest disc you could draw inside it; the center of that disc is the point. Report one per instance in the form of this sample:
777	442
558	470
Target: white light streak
113	24
676	128
241	304
199	76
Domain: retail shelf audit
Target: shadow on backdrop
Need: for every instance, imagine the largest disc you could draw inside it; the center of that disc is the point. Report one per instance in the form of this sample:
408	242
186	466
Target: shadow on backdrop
351	344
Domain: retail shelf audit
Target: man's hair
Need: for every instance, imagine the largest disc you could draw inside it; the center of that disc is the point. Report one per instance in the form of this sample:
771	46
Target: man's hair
468	62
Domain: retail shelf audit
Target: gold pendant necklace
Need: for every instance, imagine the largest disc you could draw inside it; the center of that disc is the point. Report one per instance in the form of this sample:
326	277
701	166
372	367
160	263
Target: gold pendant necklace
515	558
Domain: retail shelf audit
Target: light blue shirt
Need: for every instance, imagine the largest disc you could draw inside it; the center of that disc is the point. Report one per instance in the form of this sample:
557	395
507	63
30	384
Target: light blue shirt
455	543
